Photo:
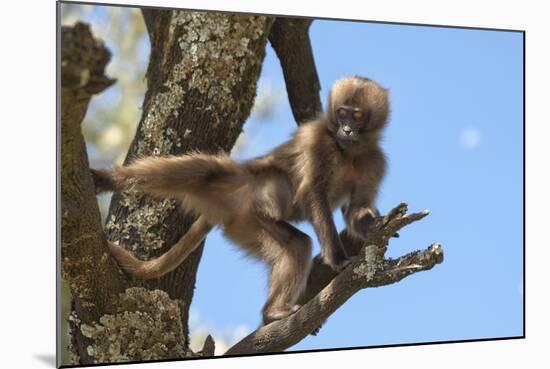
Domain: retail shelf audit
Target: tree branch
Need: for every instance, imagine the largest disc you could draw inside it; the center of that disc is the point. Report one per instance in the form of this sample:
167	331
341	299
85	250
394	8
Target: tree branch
368	269
381	232
290	40
209	347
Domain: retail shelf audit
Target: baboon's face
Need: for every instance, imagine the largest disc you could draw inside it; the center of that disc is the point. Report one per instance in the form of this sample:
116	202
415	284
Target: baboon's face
358	109
351	122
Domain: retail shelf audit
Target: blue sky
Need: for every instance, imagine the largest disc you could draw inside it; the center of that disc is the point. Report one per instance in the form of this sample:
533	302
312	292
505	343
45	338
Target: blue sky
454	145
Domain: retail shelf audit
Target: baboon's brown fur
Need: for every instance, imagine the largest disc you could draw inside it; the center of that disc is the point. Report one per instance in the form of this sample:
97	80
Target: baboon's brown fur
330	162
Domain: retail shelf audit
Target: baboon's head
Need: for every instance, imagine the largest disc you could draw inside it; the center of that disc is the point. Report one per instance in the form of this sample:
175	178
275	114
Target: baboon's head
358	110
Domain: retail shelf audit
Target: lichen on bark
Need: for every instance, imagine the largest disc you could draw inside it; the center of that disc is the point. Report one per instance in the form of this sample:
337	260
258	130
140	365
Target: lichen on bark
146	326
143	225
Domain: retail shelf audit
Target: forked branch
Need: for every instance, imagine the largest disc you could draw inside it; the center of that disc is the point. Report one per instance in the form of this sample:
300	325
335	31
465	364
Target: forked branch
368	269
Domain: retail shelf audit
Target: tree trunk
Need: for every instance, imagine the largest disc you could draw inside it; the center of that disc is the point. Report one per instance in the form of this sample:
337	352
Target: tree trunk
202	77
109	322
92	275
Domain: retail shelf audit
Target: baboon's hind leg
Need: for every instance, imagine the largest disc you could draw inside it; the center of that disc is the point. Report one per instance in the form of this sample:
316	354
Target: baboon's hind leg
288	251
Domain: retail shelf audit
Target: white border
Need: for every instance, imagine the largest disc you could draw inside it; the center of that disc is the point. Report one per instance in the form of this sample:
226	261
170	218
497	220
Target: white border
27	150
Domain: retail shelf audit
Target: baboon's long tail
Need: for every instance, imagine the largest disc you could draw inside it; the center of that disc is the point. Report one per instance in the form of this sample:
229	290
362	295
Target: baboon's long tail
168	176
168	261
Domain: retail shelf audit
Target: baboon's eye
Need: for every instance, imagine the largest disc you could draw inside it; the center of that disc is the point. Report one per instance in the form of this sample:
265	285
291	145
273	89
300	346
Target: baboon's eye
342	113
357	115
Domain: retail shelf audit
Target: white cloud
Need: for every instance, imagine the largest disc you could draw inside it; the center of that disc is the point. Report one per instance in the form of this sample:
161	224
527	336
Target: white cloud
469	138
223	339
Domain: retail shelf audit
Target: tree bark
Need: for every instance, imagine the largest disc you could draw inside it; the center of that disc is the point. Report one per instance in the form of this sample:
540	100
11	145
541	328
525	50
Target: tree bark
290	40
201	78
92	275
145	324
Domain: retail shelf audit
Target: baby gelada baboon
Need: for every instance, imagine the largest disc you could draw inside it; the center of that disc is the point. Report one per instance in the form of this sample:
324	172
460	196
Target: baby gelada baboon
332	161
